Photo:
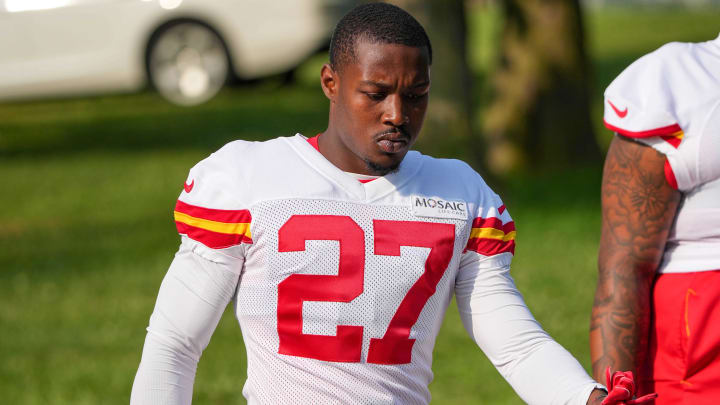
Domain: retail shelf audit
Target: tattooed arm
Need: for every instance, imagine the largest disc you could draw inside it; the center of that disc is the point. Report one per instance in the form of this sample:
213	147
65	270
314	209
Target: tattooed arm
638	207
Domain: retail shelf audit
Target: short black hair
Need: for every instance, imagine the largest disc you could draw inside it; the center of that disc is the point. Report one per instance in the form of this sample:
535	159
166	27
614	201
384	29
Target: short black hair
379	23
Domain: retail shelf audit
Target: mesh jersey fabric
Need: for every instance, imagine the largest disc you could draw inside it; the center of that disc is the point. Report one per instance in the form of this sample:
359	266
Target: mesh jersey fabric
670	100
342	286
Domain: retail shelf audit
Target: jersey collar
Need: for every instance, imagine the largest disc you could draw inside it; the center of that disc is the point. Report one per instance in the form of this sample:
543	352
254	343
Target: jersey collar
361	191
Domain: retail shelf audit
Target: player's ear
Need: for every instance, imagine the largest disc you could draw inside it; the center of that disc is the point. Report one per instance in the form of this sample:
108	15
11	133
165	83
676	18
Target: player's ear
329	81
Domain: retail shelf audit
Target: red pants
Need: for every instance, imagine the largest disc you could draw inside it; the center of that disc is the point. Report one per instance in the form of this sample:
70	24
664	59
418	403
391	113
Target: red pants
684	352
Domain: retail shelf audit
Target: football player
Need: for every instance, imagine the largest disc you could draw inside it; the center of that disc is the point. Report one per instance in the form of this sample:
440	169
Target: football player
341	252
657	305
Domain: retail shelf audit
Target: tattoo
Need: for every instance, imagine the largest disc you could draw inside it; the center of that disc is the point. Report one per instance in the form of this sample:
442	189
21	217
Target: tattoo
638	207
645	198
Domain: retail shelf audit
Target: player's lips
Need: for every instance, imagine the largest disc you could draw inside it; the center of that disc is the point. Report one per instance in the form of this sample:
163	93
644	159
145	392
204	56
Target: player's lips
393	141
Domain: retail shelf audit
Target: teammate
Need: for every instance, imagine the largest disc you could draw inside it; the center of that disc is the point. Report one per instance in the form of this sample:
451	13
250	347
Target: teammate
342	252
657	305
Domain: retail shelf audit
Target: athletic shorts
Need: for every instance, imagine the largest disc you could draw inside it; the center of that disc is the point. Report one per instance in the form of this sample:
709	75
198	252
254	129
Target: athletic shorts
684	357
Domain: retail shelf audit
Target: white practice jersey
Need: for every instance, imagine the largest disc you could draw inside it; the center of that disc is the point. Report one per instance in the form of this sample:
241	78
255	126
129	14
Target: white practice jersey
340	287
670	100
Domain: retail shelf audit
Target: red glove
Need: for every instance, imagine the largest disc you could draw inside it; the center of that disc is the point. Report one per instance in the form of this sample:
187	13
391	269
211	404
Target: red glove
621	389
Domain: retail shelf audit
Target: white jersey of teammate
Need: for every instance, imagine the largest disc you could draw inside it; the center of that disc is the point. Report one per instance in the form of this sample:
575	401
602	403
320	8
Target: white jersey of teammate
670	100
339	286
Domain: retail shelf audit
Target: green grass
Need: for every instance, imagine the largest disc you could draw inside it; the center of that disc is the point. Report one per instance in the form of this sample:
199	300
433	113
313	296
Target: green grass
86	232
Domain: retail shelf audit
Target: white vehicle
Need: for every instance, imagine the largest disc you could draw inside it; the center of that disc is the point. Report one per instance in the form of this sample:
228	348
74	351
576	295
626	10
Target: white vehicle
186	49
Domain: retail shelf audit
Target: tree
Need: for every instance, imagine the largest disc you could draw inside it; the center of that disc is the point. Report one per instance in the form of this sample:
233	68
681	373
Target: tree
539	115
448	129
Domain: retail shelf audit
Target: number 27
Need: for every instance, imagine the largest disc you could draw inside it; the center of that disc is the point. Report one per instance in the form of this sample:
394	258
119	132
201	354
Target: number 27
346	346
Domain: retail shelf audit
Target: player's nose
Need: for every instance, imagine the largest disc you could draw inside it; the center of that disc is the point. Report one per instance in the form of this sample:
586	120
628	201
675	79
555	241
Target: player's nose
394	113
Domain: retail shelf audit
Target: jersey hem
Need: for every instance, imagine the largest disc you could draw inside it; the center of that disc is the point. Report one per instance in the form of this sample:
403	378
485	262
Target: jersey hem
666	130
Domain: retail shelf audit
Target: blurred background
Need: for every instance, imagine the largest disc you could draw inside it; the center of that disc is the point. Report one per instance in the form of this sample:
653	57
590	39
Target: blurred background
106	104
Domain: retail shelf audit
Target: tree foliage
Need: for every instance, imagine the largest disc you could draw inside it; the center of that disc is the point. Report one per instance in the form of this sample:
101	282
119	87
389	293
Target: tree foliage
539	115
448	129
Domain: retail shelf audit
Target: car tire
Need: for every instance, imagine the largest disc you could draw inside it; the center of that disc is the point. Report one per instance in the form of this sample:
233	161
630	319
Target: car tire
188	63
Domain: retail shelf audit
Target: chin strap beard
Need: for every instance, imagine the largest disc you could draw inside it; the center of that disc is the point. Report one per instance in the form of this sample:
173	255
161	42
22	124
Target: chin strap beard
380	170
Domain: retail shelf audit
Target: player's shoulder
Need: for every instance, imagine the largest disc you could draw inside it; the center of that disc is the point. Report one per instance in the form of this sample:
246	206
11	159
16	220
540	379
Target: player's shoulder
649	97
213	208
669	69
656	60
452	173
221	179
492	229
239	153
455	178
644	77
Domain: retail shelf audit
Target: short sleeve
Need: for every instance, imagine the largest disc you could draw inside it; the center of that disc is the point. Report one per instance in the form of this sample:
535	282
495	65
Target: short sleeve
210	210
668	100
697	159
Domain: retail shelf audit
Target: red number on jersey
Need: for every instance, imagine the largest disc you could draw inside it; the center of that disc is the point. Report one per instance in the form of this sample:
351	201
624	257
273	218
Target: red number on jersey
348	284
396	346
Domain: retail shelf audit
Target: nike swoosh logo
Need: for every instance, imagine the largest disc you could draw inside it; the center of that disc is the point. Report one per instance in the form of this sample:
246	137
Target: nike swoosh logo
188	187
619	113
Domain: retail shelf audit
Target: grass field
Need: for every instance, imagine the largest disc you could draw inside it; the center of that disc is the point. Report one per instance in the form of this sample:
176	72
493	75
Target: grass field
86	232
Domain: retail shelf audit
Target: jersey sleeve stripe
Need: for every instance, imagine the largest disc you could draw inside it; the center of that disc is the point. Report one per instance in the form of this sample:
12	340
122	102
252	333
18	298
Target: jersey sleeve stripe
227	216
666	130
492	233
213	226
210	239
493	222
212	233
489	236
489	247
674	139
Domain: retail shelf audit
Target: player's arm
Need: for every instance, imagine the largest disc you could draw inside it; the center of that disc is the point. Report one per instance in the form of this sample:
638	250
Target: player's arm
201	281
638	207
496	317
196	290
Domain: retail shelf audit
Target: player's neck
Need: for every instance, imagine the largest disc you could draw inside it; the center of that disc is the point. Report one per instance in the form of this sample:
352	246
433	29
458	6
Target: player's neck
362	178
331	146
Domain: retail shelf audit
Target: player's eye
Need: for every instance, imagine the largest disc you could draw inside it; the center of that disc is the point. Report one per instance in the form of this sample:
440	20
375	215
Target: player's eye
376	96
415	96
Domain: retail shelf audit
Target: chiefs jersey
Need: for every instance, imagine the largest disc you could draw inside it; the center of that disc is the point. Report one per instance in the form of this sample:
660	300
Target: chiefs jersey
340	280
670	100
340	286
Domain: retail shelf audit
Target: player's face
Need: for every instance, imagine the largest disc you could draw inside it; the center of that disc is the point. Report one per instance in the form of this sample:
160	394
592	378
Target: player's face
378	105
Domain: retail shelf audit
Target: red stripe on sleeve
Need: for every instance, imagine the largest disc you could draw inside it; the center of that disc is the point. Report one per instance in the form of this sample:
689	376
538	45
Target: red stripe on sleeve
214	240
226	216
672	140
493	222
489	247
668	130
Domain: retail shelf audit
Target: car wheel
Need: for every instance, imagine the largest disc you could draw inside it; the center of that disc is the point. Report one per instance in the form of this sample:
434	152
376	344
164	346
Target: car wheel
188	63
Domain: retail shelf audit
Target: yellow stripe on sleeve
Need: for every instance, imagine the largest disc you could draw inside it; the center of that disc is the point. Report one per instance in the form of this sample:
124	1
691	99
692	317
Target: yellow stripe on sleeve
492	233
214	226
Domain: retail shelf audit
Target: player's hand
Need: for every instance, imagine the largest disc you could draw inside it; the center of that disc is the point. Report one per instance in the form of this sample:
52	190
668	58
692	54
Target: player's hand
621	389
